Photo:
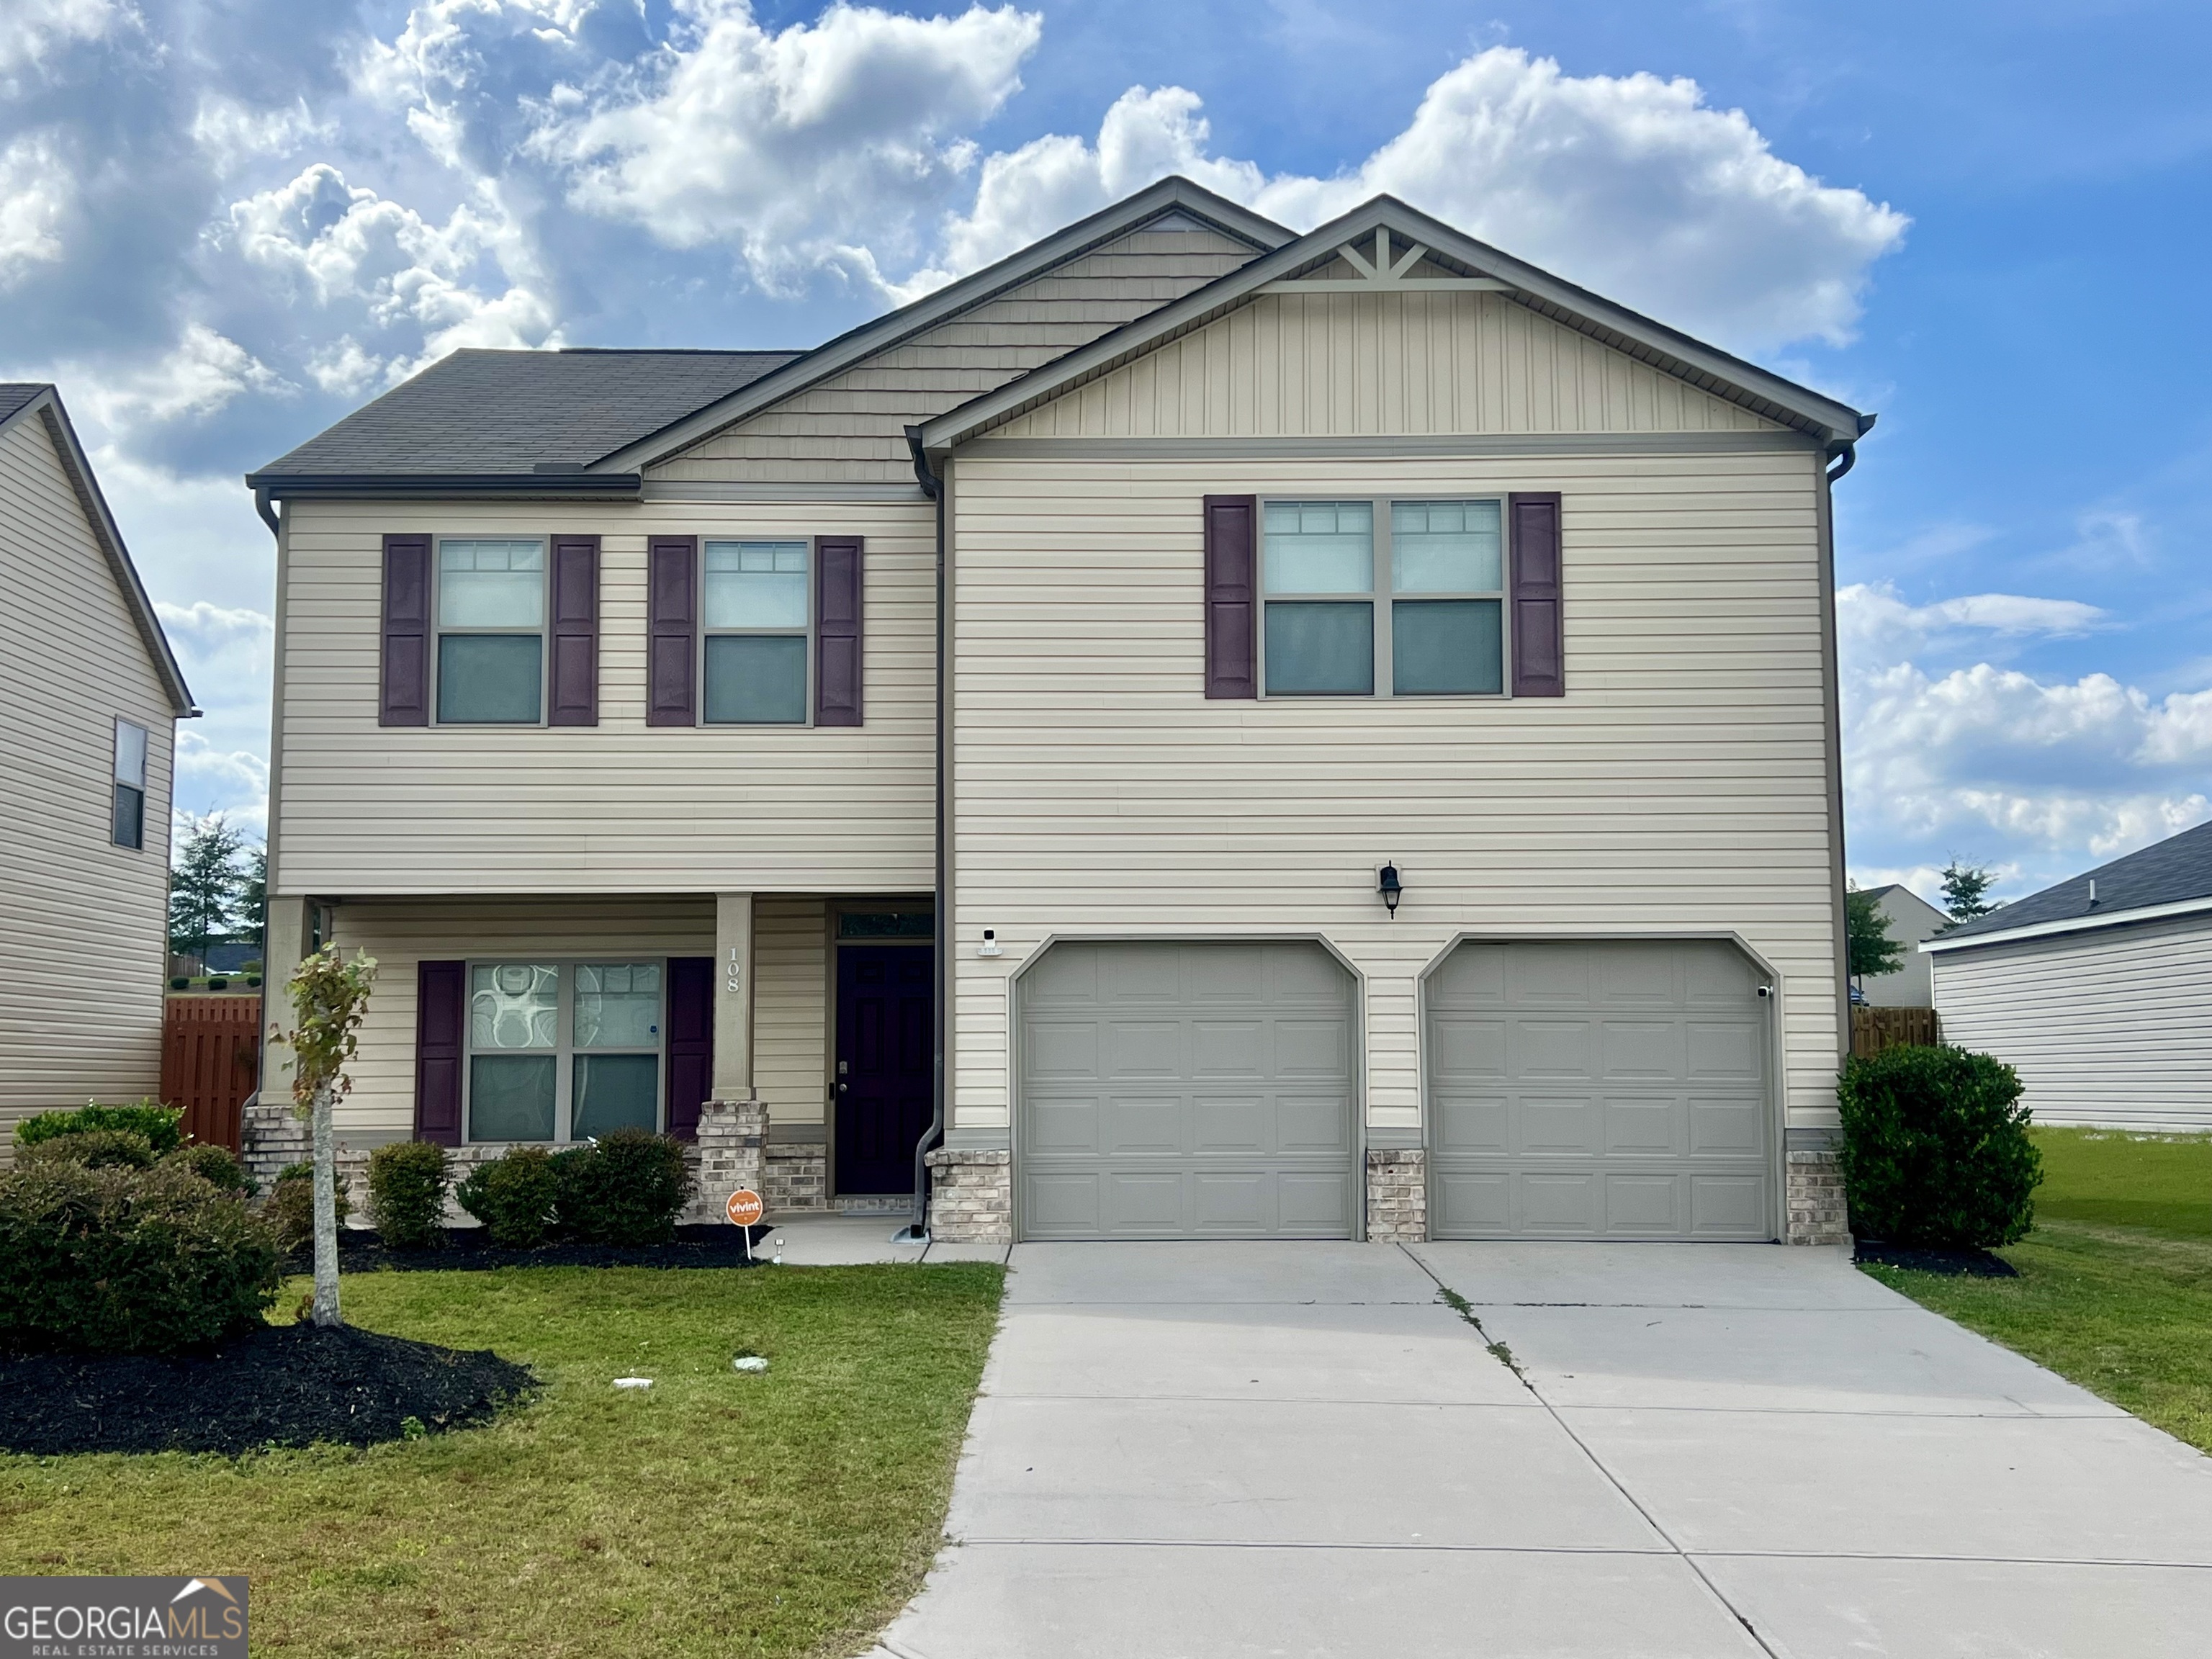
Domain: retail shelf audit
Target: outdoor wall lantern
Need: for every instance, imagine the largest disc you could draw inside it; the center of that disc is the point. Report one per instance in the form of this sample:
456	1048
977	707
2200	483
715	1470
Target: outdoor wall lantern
1387	885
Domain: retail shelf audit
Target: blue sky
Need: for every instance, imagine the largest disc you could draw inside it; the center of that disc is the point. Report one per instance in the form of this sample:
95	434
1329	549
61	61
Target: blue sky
225	222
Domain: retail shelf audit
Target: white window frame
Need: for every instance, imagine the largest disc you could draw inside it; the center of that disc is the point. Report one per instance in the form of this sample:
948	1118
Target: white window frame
809	694
117	781
1383	597
564	1051
543	631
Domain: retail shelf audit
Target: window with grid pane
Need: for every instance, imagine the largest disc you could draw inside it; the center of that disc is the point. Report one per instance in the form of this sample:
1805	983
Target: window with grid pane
491	631
563	1051
1448	598
1317	569
757	614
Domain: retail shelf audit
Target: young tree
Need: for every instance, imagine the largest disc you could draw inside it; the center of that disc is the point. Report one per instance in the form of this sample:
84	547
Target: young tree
1865	931
203	886
329	997
1964	884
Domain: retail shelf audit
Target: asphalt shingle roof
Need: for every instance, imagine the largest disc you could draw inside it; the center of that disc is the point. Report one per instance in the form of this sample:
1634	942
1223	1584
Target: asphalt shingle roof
488	414
14	394
2174	871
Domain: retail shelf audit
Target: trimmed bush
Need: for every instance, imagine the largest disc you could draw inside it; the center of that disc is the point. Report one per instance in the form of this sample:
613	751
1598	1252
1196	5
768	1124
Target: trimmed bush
516	1195
162	1126
92	1149
124	1261
624	1189
407	1184
213	1164
1936	1150
290	1207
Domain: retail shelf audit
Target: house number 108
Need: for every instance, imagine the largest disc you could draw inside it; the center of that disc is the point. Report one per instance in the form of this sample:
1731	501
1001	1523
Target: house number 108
736	981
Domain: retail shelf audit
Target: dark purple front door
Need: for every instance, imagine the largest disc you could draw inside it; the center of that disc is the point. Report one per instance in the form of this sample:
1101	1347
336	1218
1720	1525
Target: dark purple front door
883	996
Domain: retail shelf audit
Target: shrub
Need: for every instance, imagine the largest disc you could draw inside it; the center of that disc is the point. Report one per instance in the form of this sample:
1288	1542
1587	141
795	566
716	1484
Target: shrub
125	1261
211	1163
624	1189
290	1208
515	1195
407	1183
1935	1149
93	1149
162	1126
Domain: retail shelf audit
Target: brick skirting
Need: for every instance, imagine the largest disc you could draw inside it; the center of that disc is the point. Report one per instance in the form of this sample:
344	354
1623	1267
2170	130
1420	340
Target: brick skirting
1397	1195
971	1196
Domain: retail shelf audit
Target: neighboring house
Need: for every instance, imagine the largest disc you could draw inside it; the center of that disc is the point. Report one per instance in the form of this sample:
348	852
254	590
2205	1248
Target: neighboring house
92	698
2095	990
610	718
1912	919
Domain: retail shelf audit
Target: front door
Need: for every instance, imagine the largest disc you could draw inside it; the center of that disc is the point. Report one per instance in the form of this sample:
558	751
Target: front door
883	997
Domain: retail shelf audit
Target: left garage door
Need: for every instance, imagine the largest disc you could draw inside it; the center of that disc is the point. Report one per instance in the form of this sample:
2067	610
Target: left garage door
1172	1090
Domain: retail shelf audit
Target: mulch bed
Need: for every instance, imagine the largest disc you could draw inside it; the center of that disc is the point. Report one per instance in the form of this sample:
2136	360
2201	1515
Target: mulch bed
715	1244
276	1385
1958	1264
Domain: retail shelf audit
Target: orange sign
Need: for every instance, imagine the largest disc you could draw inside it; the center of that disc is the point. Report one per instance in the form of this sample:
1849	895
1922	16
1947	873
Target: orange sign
744	1208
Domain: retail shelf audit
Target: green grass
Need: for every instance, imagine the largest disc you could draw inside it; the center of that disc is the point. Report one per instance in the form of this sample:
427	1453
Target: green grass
2115	1285
715	1513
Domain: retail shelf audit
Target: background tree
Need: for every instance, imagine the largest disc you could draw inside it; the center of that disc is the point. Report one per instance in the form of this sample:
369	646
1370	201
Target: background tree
1964	885
1865	931
329	997
253	911
203	886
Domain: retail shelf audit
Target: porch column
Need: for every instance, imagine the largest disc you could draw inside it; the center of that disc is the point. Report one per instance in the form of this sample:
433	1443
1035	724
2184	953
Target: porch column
734	996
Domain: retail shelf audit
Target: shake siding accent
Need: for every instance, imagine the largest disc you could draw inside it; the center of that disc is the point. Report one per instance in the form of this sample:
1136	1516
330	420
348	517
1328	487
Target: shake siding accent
1679	788
1413	364
84	923
2105	1027
852	427
791	1001
369	811
400	936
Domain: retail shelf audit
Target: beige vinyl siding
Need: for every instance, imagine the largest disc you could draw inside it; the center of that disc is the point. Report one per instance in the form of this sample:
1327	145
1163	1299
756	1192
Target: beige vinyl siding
852	426
1679	788
791	1007
618	807
1411	364
83	923
2107	1026
401	934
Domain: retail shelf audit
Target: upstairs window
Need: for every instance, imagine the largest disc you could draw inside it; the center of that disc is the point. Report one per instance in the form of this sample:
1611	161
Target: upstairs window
491	632
128	821
758	626
1382	598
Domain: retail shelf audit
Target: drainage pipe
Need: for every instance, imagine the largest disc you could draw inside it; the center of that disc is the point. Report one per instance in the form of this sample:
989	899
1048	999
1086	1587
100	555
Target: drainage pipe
933	487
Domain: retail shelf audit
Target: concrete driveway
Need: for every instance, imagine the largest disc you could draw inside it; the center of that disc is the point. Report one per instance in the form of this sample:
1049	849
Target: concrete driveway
1194	1451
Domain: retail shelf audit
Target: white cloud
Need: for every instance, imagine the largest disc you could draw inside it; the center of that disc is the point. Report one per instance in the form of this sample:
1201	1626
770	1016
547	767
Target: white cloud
790	145
30	30
215	641
202	373
1872	617
233	133
341	367
211	779
35	188
1630	186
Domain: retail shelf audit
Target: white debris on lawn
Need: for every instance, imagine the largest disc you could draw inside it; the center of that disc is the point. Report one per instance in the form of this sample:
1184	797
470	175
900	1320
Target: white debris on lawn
632	1381
749	1362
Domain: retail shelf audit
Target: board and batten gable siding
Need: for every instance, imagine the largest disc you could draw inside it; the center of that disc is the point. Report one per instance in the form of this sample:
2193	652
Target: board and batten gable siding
363	810
1680	786
852	427
1340	365
83	923
2107	1026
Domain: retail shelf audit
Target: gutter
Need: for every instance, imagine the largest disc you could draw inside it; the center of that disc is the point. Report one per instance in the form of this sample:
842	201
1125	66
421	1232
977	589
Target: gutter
933	487
2070	925
556	481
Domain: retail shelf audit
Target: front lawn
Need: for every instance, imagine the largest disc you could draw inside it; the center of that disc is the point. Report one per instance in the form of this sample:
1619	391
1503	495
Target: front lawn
2123	1309
717	1513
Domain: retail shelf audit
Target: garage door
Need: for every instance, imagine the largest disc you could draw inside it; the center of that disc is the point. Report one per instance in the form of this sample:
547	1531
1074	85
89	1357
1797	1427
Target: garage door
1185	1091
1600	1090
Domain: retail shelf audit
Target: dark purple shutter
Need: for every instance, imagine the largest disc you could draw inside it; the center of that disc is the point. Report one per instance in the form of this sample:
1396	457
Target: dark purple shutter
403	672
690	1041
1232	576
1540	653
671	645
576	631
440	1008
837	630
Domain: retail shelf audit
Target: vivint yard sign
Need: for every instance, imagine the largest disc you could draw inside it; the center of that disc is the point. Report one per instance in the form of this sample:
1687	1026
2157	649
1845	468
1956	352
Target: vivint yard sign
123	1618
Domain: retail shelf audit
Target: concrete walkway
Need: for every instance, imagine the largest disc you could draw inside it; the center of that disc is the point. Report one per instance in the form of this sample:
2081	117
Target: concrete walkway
1202	1451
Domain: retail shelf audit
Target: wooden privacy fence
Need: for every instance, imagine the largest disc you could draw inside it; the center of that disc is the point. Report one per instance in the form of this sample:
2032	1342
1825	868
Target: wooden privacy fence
211	1061
1873	1030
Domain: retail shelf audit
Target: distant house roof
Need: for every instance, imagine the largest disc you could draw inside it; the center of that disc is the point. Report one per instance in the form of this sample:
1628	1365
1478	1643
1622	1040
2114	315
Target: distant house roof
520	417
16	395
2173	876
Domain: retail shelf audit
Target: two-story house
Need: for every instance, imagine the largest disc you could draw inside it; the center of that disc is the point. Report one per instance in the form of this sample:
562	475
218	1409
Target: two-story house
1214	732
92	696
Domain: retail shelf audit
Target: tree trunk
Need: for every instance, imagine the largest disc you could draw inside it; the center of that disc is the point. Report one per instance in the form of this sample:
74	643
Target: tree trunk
326	1216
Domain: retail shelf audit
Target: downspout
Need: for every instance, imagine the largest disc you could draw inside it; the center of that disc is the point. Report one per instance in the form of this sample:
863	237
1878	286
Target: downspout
268	513
933	487
1845	454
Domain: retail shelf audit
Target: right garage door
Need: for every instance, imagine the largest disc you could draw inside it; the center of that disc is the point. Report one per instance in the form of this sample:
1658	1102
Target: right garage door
1599	1089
